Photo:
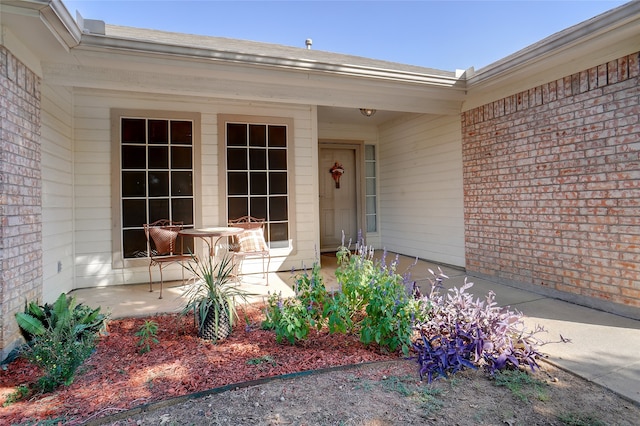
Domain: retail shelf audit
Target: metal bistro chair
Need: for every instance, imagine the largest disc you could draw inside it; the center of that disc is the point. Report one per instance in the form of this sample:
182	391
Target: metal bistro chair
250	244
161	242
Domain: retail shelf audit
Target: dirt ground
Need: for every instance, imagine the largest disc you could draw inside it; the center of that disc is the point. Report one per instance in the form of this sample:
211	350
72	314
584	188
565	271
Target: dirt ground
390	393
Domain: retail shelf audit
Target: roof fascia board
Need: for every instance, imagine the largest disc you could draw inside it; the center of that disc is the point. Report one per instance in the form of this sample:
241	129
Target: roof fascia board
597	40
138	47
61	24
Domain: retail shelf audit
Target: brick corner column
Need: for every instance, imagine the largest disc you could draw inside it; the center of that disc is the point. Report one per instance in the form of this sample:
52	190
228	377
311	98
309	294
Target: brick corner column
20	195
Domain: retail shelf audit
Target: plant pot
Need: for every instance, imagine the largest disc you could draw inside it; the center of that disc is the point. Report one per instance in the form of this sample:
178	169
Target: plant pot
213	330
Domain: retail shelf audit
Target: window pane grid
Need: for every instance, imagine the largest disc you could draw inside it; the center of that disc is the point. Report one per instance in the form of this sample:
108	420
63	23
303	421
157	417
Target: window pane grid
156	176
370	191
257	176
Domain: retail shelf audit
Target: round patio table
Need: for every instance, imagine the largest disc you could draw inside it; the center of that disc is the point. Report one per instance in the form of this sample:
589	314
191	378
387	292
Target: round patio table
211	235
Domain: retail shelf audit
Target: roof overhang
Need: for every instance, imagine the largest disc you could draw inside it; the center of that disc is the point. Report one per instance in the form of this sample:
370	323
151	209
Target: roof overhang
52	14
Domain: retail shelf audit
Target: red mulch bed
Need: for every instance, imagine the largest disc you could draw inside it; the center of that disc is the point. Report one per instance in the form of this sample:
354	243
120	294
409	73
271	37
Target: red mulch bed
117	377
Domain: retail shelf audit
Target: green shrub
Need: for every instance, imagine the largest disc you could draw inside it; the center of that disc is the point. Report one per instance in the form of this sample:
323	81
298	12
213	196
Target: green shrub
59	354
312	293
390	316
293	318
289	319
148	334
373	302
354	274
60	337
338	316
372	285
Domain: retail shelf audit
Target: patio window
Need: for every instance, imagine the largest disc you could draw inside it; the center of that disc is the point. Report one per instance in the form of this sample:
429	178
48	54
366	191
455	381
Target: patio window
257	176
371	193
156	177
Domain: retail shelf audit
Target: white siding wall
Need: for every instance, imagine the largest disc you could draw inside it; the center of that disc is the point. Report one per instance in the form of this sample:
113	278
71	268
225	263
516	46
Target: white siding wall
57	191
93	175
421	196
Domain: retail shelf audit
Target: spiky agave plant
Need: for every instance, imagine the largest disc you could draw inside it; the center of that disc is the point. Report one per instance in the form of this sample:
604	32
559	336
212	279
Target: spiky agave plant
212	296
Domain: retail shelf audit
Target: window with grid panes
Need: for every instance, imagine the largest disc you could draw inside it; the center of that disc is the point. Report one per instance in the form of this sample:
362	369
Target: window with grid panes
371	194
156	175
257	179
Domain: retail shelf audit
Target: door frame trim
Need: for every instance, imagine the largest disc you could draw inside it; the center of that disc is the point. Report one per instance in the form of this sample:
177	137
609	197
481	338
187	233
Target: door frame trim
358	147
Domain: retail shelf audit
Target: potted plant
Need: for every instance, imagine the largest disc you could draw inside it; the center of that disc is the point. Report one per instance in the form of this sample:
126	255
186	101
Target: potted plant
212	297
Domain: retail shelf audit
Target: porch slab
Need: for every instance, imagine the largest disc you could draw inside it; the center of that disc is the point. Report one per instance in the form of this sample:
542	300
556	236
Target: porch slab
135	300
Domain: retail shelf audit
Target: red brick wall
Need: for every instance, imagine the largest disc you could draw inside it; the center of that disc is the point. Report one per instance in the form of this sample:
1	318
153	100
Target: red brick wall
552	188
20	194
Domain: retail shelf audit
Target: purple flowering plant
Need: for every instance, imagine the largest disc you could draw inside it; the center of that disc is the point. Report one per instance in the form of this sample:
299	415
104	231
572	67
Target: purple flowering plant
462	332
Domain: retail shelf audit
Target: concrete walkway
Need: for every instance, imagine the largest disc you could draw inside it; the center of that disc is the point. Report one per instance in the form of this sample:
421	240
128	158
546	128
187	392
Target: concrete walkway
604	348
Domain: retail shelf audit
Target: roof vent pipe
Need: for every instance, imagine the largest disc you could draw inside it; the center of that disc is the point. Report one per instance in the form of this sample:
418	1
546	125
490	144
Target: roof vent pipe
308	42
90	26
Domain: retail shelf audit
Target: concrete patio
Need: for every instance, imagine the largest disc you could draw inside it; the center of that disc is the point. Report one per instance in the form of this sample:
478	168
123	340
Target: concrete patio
604	348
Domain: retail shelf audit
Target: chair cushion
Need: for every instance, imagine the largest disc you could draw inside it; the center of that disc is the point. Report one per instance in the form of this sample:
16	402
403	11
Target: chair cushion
252	240
164	239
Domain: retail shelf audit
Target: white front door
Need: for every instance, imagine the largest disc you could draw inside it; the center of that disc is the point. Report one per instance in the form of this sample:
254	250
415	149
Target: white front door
339	194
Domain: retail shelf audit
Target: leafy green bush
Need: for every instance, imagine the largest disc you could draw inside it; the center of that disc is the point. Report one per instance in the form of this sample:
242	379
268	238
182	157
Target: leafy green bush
373	301
289	318
389	311
312	294
36	319
59	354
293	318
354	274
148	334
390	315
60	337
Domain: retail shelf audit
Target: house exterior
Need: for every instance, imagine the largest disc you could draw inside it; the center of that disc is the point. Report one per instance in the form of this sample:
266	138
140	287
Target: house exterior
526	171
